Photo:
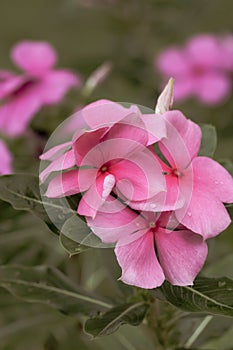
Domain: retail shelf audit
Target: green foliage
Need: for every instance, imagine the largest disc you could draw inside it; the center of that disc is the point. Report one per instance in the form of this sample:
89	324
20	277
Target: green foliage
22	192
49	286
208	141
109	322
208	295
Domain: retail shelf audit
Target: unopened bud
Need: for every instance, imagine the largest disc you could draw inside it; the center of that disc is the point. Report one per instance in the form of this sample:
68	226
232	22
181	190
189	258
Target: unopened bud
96	78
165	100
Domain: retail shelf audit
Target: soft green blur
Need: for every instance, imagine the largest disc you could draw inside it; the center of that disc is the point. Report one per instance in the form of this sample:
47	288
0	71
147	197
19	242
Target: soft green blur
128	33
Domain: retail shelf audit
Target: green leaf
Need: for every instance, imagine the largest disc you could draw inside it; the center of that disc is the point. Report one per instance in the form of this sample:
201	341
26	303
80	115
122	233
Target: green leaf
23	193
110	321
210	295
42	284
208	141
71	246
77	230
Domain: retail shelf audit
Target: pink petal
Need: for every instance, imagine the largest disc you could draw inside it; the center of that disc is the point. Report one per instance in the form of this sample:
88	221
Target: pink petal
139	264
184	88
169	221
170	199
204	50
212	177
96	195
181	255
64	184
10	83
6	159
86	143
71	182
213	87
35	57
183	140
136	176
56	151
130	128
155	127
115	221
104	113
55	85
204	214
173	62
65	161
17	112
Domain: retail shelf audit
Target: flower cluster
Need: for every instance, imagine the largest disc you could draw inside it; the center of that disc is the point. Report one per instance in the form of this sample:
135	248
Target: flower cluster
144	188
202	68
22	95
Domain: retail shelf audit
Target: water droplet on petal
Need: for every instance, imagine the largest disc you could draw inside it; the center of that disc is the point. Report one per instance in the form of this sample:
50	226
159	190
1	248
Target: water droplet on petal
153	205
221	182
216	182
189	213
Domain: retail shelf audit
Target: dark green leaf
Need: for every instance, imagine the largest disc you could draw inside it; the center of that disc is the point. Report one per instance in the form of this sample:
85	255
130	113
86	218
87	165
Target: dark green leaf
208	141
110	321
211	295
49	286
23	193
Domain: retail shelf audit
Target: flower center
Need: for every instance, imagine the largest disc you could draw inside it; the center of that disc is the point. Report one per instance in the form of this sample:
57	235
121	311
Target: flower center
25	86
174	172
104	169
152	224
198	70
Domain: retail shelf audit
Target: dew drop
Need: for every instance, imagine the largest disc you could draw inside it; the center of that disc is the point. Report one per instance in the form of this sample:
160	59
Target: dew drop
216	182
189	213
153	205
221	182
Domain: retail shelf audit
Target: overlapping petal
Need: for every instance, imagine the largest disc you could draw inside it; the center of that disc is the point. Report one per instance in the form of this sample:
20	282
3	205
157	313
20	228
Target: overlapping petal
181	255
139	264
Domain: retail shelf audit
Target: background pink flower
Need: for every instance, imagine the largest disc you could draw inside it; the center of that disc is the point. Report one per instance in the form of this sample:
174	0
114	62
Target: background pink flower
200	68
6	159
40	84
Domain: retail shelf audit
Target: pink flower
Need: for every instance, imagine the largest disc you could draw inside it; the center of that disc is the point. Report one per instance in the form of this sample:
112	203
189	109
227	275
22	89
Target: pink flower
180	253
202	183
200	68
6	159
111	156
40	84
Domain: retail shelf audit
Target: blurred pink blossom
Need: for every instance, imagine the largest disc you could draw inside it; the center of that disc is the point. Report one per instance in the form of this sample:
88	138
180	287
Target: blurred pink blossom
201	68
6	159
23	95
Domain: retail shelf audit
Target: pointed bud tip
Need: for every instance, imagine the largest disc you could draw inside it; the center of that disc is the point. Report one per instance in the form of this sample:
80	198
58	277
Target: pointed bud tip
165	100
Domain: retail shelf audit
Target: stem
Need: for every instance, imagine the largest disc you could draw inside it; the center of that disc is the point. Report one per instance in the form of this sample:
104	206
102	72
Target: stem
158	327
198	331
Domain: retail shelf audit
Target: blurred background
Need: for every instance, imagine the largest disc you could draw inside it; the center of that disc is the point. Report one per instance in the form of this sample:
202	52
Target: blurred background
128	34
